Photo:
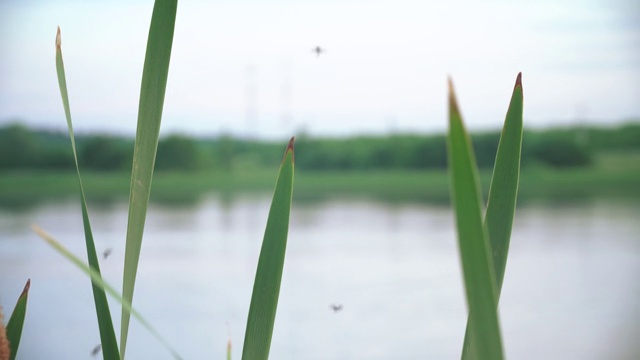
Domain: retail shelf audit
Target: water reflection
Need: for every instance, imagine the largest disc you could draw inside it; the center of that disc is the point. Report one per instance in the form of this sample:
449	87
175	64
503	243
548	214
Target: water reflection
570	288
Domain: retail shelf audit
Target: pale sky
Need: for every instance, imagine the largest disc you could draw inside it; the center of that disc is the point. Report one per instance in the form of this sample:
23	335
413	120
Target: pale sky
247	66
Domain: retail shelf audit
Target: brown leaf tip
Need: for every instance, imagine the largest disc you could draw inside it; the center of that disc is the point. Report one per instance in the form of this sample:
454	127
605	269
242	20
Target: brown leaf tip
290	148
519	80
25	292
453	104
58	39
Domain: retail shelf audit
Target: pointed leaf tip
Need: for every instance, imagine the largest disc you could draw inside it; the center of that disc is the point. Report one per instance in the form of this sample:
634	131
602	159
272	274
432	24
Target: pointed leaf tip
290	148
25	292
519	80
58	39
453	103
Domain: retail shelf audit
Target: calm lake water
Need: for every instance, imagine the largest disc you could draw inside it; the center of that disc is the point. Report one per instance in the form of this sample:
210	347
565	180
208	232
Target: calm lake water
571	288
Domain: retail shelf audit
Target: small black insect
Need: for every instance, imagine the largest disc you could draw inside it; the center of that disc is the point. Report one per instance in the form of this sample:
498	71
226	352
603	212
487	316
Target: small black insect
106	253
96	350
318	50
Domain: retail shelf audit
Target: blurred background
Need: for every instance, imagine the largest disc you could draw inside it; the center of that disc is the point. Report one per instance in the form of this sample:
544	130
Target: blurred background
372	269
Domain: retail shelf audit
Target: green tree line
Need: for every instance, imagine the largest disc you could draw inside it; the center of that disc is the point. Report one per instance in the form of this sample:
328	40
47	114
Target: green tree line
22	148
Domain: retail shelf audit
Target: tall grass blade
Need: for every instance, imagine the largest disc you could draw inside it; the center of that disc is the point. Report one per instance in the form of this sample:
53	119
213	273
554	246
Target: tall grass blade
473	240
154	83
16	321
503	193
266	287
97	279
105	324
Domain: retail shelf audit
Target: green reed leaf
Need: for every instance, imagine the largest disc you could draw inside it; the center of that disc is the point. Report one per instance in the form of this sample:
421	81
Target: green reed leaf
16	321
98	281
105	323
473	240
154	83
503	193
266	287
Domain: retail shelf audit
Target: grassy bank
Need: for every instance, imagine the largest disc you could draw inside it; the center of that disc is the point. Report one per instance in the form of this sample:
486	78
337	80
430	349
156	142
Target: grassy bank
612	175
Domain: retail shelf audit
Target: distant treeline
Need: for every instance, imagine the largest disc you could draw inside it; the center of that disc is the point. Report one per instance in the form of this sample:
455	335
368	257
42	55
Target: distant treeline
22	148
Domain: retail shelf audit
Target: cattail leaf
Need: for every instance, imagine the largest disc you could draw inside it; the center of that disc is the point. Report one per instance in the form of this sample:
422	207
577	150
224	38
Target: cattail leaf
154	83
501	205
16	321
473	240
266	287
105	323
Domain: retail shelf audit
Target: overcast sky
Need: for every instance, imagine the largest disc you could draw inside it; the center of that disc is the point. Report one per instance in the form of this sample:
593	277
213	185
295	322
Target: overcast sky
247	66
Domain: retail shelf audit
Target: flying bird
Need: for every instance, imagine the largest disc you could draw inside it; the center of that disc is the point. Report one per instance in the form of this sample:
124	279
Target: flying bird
335	307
